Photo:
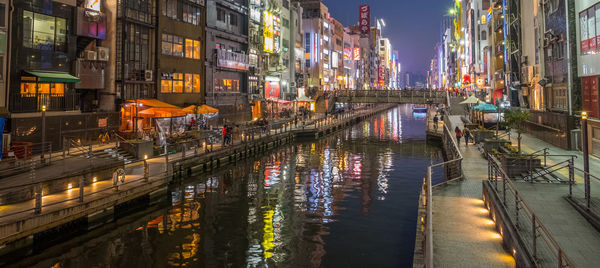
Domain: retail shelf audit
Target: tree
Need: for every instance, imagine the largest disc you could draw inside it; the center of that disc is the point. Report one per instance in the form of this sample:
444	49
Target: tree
515	119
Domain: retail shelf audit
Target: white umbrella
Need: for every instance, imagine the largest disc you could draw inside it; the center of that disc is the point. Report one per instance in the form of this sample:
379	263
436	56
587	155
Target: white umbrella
470	100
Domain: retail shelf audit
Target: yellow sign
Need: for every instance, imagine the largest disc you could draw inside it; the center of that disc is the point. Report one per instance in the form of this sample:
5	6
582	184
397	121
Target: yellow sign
271	32
480	82
483	19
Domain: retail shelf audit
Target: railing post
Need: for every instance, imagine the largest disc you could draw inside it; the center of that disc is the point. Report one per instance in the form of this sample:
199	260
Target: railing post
183	149
504	178
81	188
146	170
517	209
534	236
90	150
571	177
38	198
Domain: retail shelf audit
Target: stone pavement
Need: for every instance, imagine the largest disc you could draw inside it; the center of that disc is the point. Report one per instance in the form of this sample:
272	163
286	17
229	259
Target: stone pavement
463	233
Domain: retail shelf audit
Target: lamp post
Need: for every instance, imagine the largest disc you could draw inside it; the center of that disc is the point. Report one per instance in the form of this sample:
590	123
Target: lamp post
43	132
586	157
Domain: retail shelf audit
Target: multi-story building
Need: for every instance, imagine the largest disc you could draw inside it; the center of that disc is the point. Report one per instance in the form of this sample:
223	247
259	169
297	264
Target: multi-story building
318	35
337	53
181	56
587	22
531	49
227	60
58	70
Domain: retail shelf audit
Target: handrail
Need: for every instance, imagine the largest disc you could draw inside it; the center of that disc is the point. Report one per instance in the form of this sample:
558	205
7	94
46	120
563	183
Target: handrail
507	184
429	201
121	139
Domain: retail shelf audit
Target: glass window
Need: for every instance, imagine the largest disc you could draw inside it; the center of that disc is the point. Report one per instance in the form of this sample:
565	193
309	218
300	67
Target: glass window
43	32
220	15
188	83
167	44
233	19
196	83
28	90
61	34
27	29
166	86
178	46
197	49
189	48
57	90
178	83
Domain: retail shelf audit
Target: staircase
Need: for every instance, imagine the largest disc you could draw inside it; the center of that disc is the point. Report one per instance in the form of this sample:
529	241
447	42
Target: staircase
116	153
543	175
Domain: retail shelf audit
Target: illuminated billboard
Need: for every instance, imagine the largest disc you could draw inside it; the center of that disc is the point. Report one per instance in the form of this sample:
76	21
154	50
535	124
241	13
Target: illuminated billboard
356	53
271	32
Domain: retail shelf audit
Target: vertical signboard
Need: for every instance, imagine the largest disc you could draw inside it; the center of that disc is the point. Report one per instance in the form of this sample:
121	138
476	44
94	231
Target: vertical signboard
364	19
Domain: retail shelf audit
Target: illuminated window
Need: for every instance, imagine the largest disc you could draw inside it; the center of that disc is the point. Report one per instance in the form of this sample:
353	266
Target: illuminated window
196	83
188	83
28	90
197	49
44	32
166	86
189	48
177	83
172	45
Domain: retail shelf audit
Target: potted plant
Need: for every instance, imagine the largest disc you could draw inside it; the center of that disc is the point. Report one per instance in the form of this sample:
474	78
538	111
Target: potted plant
515	119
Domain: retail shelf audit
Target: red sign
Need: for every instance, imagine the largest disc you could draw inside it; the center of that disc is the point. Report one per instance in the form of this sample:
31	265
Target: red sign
272	89
364	21
356	53
592	43
584	45
102	122
347	53
466	79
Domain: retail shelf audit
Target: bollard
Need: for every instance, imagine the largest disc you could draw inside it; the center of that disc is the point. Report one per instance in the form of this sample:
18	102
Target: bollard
146	170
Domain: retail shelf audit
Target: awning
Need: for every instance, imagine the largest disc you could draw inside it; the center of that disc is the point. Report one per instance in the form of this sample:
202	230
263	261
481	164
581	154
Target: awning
202	109
59	77
152	103
163	112
470	100
279	101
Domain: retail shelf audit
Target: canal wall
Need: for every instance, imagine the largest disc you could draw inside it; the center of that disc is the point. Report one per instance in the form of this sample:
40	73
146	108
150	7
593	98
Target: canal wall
94	209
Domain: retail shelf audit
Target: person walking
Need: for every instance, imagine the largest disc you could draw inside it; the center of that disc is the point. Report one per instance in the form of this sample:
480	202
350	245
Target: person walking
467	134
458	134
224	133
435	122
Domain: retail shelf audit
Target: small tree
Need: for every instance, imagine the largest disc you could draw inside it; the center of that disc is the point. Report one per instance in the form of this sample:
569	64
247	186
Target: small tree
515	119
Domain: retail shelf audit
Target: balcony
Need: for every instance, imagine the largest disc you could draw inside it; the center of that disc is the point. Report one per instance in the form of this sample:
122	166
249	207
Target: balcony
29	103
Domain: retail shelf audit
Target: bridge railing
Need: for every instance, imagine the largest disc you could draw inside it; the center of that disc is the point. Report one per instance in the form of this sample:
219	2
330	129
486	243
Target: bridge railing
427	94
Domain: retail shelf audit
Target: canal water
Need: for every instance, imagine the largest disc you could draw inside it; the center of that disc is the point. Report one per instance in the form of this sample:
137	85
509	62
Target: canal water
347	200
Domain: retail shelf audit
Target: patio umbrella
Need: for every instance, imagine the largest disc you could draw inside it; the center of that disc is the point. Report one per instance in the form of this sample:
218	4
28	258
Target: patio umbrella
470	100
304	99
202	109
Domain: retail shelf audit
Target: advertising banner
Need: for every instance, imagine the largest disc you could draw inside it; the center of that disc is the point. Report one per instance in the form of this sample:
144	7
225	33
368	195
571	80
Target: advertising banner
364	19
232	60
356	53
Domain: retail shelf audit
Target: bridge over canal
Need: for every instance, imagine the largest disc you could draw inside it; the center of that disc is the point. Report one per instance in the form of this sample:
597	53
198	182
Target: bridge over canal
392	96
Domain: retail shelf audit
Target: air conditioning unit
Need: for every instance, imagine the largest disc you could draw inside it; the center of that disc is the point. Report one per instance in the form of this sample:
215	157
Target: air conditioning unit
102	53
293	84
89	55
148	75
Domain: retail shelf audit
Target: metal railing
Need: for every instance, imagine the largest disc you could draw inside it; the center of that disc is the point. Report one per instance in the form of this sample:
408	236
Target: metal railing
26	156
539	243
453	171
429	94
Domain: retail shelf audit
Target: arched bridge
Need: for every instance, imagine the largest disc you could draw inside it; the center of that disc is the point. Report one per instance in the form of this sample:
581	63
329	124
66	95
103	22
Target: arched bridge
392	96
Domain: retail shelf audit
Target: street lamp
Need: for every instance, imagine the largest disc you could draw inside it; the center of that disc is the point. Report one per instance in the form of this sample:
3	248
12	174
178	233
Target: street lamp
586	157
43	132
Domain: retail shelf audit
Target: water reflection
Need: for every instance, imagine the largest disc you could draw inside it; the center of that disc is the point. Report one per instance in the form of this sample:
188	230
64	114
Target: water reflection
347	200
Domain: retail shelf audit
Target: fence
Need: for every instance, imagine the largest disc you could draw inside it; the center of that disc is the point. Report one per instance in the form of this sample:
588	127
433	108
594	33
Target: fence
539	243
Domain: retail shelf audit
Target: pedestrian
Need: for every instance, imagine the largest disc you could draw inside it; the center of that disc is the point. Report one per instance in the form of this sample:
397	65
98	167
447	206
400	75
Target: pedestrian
224	133
467	134
458	134
296	121
435	122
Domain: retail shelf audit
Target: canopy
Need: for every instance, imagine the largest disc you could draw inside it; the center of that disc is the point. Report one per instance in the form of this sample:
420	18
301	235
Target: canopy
163	112
470	100
304	99
279	101
486	107
57	77
202	109
152	103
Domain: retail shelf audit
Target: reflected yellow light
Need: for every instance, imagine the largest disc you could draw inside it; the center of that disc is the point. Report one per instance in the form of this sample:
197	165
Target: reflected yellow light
490	222
496	236
95	179
483	210
70	186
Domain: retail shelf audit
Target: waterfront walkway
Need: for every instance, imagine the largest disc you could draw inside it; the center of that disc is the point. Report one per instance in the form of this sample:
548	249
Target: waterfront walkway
463	233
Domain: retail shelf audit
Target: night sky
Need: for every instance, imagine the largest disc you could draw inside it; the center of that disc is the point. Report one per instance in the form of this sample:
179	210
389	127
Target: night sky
412	25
